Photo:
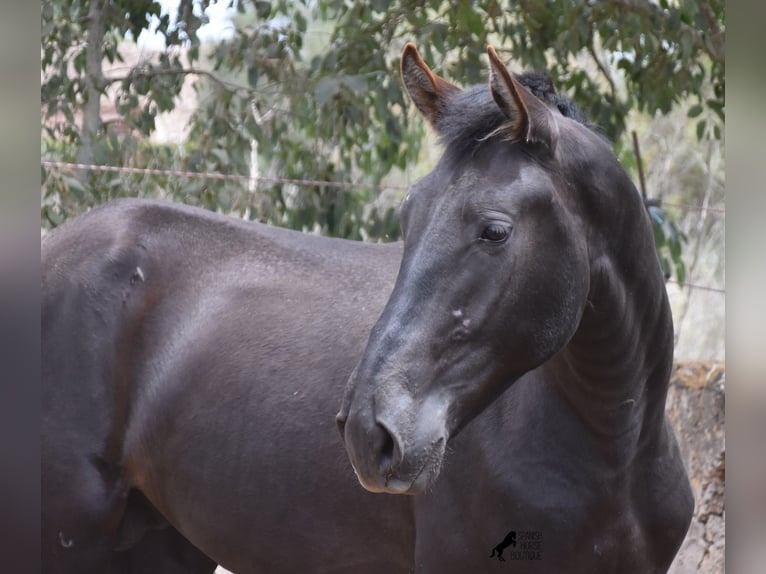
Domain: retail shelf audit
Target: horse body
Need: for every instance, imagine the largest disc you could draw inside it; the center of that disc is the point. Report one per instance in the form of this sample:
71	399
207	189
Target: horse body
181	363
514	380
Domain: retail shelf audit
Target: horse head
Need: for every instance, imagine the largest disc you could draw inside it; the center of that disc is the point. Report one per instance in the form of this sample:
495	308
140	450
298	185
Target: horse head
499	248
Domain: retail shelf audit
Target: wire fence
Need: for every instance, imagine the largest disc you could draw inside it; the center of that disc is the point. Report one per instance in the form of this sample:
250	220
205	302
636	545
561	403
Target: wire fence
280	180
695	286
61	165
217	176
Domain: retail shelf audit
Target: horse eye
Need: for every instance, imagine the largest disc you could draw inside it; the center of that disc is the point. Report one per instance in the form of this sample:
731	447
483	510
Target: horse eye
495	233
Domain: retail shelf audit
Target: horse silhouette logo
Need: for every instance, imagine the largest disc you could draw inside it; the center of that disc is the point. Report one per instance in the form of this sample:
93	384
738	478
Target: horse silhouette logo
509	540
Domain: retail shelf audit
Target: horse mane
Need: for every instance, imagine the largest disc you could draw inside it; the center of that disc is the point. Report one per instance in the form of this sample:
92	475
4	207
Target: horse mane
471	115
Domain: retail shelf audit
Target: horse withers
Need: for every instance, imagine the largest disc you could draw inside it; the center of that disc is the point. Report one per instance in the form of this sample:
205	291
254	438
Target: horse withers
514	381
517	376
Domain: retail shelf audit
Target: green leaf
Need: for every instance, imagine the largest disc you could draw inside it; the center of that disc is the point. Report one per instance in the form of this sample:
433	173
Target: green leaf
262	9
379	6
326	89
252	75
300	22
468	19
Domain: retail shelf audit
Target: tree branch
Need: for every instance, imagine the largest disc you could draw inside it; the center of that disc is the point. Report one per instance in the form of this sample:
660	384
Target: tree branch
93	83
603	69
716	35
645	8
153	72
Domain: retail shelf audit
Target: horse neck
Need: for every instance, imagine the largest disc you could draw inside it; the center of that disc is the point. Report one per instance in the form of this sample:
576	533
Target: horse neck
615	370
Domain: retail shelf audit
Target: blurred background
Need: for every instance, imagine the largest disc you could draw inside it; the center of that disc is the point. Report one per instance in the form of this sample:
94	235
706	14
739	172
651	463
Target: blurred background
292	113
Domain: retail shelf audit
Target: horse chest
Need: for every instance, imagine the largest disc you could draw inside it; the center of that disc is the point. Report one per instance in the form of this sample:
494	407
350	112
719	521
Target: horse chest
537	529
548	510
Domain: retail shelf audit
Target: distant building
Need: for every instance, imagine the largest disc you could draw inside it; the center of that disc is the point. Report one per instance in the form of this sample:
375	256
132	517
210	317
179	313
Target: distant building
171	127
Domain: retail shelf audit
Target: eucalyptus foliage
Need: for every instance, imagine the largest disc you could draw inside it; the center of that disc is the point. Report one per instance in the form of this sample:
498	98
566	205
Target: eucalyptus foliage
315	86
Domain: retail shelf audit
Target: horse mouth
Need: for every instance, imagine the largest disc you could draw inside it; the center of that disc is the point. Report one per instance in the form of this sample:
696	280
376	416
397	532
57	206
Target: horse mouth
421	480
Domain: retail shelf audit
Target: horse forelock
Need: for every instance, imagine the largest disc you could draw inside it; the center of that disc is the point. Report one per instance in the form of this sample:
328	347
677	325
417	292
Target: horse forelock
471	117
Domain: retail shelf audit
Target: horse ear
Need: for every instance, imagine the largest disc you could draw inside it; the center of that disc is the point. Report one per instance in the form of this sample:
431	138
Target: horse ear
427	90
532	120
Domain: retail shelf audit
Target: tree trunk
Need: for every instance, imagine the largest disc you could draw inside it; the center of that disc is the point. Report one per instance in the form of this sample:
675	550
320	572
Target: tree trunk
94	81
696	409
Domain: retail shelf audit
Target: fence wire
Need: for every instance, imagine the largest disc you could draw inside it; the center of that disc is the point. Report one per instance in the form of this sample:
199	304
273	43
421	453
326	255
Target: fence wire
61	165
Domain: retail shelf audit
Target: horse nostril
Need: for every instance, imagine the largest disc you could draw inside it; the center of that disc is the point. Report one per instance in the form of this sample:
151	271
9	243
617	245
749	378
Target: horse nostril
340	420
386	448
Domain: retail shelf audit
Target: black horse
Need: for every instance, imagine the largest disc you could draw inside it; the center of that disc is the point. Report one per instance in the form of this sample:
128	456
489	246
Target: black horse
191	363
529	292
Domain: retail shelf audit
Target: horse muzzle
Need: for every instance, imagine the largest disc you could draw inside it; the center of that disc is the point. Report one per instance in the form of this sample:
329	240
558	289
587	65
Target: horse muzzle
389	455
